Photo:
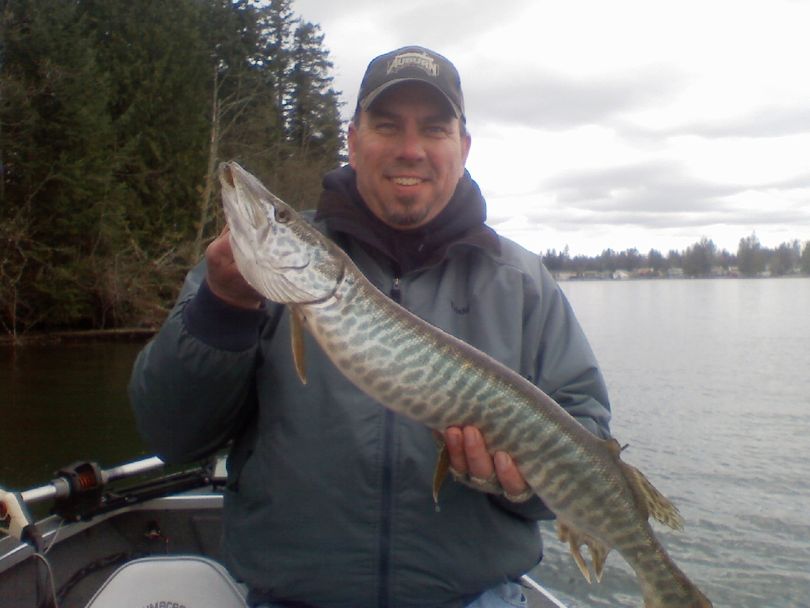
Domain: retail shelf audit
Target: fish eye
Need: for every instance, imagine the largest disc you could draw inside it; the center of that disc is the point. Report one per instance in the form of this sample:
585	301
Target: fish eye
283	215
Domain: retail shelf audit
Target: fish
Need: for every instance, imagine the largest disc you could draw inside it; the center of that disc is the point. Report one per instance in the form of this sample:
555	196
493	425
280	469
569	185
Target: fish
417	370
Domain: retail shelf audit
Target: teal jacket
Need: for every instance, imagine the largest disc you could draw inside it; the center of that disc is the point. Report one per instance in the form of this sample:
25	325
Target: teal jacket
328	500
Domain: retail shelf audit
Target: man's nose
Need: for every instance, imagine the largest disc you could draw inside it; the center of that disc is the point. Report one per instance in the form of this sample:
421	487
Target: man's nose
412	146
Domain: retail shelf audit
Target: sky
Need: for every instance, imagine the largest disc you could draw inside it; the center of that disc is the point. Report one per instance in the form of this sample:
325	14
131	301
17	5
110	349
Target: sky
625	124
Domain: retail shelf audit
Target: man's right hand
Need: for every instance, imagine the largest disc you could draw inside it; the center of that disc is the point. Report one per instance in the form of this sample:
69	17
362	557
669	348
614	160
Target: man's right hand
224	278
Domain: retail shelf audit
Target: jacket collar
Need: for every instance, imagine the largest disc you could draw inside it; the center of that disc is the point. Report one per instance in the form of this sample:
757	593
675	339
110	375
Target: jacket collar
462	221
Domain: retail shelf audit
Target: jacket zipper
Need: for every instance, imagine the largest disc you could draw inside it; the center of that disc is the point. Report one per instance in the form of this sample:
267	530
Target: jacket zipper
387	486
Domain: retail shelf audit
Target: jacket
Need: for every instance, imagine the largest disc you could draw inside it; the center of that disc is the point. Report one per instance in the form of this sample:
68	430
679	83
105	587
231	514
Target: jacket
328	500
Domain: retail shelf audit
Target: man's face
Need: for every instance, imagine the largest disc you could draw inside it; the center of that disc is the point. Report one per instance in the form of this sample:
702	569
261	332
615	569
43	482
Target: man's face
409	154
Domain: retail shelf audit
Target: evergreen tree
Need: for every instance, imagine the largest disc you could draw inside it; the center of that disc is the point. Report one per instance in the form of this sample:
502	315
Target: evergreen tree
786	258
750	256
157	62
57	182
656	261
699	258
804	264
113	117
313	121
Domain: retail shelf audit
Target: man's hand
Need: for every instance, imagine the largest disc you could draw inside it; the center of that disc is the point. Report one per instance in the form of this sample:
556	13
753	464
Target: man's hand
468	455
224	278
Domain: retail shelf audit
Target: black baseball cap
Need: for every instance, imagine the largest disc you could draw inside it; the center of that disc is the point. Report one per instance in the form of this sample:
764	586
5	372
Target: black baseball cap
412	63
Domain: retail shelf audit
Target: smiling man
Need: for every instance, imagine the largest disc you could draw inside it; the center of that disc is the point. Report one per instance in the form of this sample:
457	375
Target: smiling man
329	497
408	147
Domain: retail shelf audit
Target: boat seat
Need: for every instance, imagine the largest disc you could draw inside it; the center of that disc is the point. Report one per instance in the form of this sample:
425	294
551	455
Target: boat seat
169	581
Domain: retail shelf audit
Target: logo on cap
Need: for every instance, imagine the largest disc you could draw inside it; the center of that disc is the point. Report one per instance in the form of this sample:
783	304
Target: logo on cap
419	60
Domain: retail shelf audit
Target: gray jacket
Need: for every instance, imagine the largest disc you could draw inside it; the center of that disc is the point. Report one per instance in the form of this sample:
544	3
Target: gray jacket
328	499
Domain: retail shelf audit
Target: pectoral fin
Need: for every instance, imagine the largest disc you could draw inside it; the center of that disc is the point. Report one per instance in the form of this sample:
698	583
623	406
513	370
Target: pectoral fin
575	539
442	467
297	342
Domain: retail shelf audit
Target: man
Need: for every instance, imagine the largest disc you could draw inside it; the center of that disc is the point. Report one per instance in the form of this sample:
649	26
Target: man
328	501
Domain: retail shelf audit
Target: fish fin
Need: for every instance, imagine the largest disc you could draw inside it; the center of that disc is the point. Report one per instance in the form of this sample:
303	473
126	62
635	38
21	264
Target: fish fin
442	467
656	504
575	539
599	553
297	342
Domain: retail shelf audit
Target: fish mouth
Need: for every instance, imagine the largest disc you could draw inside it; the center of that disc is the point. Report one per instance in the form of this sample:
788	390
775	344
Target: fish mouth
226	174
239	193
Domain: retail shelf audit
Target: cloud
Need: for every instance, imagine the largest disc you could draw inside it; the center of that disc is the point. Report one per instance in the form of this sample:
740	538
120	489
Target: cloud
761	122
449	26
659	186
551	100
655	195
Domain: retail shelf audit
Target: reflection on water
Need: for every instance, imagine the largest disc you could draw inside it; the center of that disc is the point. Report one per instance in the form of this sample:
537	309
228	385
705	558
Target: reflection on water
62	403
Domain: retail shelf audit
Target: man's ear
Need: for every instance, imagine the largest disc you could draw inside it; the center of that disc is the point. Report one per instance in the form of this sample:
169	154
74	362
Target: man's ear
466	142
351	140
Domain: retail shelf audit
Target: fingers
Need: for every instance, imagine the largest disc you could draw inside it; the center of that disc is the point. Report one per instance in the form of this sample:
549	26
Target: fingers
508	474
223	276
468	454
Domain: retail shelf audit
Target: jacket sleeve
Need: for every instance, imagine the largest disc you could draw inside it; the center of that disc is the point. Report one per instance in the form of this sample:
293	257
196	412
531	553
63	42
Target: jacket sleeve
567	369
191	387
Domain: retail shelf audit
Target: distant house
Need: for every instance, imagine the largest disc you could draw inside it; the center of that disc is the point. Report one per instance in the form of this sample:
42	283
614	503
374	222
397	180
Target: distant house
621	275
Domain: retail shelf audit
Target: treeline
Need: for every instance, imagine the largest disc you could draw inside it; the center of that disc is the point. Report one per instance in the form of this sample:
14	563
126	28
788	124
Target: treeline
114	115
700	259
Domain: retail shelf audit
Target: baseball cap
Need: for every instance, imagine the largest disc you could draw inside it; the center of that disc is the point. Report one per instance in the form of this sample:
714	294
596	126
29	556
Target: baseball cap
412	63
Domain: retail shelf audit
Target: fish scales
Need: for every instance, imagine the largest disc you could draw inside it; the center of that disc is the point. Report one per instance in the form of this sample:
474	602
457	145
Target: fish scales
416	369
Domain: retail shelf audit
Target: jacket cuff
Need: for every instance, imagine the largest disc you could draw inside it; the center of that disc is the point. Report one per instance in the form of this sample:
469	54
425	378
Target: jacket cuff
221	325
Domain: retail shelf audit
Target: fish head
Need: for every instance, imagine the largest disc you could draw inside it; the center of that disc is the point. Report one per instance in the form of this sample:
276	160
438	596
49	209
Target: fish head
278	253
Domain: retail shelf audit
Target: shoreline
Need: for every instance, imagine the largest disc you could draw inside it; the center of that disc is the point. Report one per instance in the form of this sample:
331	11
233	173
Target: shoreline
78	335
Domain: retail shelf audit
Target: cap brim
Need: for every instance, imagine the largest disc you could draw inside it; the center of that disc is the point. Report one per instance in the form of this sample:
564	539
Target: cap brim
369	99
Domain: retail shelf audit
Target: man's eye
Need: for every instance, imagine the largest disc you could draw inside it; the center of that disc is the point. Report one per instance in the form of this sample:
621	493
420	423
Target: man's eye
386	127
436	130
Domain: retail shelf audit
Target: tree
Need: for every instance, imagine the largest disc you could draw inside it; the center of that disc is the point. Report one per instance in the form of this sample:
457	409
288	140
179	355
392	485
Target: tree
726	259
57	179
557	262
630	259
750	257
699	258
608	261
805	261
113	117
232	37
312	118
674	259
656	261
786	258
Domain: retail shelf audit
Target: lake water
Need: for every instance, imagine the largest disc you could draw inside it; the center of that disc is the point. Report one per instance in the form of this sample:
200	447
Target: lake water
710	384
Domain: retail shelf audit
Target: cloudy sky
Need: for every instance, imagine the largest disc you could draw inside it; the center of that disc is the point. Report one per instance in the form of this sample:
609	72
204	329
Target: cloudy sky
629	123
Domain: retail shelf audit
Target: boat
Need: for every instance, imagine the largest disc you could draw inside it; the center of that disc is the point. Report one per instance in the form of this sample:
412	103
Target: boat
139	535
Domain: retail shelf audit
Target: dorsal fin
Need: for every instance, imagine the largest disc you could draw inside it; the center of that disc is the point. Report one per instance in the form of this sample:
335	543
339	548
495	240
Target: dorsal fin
656	504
